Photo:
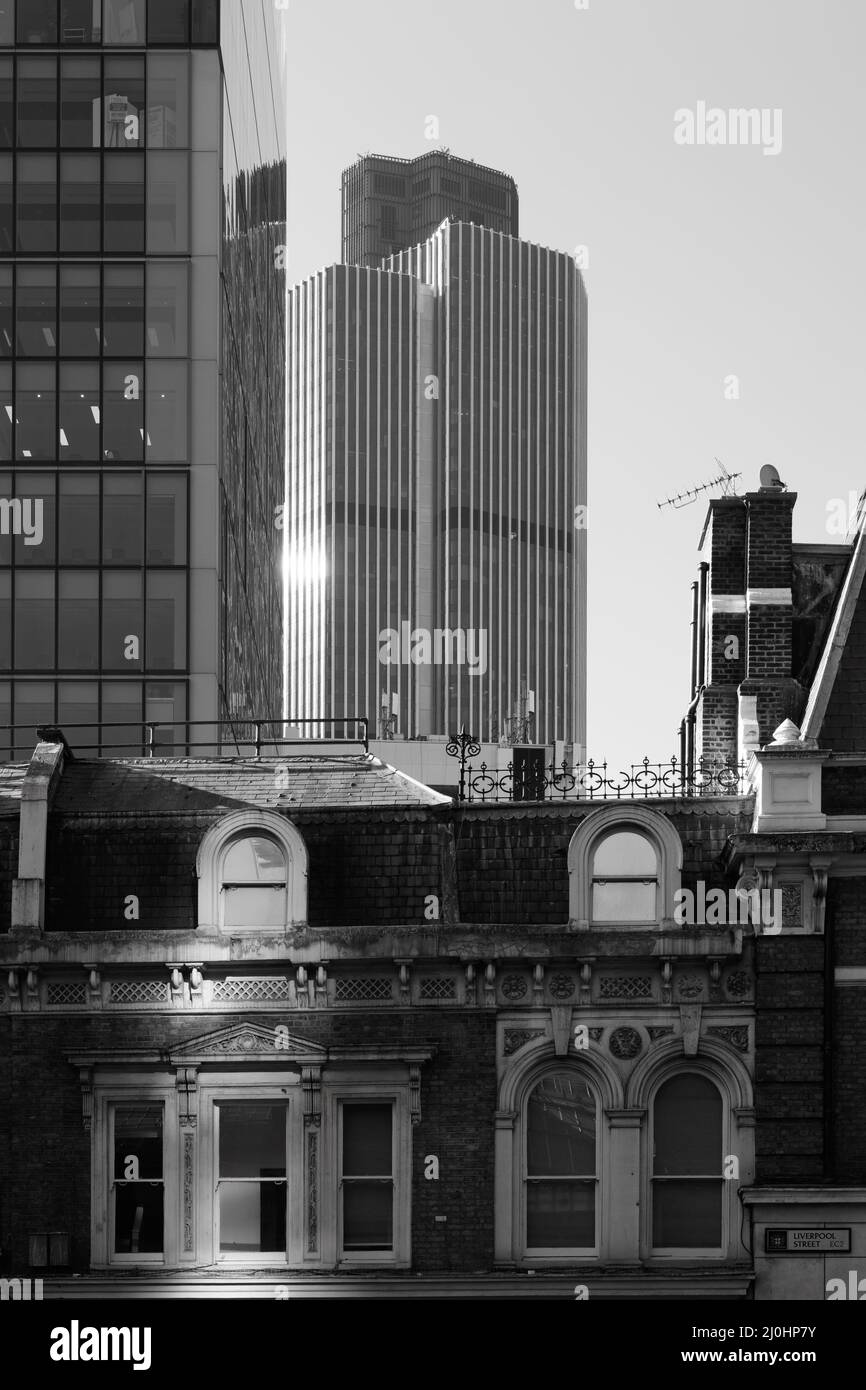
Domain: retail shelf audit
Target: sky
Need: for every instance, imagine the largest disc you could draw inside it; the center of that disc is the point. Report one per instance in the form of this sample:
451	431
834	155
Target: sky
705	262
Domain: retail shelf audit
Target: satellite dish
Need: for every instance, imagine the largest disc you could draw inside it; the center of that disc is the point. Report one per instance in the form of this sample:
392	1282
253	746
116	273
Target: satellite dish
770	477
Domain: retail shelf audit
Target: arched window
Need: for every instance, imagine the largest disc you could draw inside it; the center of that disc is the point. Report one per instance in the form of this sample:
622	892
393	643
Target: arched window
561	1165
252	874
253	883
624	866
625	878
687	1179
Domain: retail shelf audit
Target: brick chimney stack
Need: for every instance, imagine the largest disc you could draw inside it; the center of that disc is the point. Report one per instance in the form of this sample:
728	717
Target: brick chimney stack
746	629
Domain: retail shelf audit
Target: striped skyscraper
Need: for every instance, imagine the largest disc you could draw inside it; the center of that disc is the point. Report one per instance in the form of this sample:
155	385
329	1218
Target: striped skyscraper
437	468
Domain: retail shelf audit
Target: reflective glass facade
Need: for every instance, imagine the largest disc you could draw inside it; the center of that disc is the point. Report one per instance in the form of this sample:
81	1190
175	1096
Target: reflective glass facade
141	363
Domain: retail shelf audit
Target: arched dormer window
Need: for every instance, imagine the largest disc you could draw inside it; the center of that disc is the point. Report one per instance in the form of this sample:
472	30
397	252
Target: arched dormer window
252	874
624	866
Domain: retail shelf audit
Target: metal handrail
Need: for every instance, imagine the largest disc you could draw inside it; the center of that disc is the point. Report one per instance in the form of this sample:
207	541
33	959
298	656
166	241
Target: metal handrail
150	729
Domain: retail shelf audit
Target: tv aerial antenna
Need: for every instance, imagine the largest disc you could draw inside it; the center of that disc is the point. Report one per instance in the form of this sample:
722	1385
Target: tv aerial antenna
727	481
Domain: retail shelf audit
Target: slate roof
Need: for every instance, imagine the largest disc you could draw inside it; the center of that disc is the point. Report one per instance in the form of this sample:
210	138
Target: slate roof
112	785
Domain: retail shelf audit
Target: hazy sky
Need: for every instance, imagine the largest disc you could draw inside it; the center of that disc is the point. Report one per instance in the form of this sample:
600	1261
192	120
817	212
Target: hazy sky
704	260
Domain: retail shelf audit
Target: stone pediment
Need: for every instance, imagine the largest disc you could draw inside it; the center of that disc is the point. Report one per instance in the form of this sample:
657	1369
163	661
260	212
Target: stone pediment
248	1040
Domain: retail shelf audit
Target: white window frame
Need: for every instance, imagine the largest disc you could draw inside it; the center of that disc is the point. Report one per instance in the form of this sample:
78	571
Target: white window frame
133	1091
559	1252
211	857
607	820
348	1089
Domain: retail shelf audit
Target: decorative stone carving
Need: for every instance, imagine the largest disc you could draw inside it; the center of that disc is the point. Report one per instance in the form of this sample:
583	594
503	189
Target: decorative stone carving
85	1076
792	905
490	985
188	1202
415	1092
560	1019
187	1089
471	991
561	986
690	1028
313	1191
737	1037
656	1033
538	986
403	979
625	1043
595	1034
516	1038
514	987
585	983
690	987
667	982
738	984
311	1083
625	987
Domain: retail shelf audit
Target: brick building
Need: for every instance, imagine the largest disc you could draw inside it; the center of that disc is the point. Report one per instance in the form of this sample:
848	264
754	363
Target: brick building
307	1026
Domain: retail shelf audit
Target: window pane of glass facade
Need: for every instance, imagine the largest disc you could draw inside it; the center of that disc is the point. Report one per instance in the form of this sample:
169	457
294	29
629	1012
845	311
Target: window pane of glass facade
37	102
6	412
166	519
167	204
205	21
79	519
5	623
167	309
252	1144
560	1215
561	1128
123	411
122	519
35	545
78	703
80	21
7	23
5	311
624	902
166	621
687	1215
165	702
167	101
123	99
37	203
35	412
253	859
121	706
123	310
34	621
37	21
6	239
79	310
36	311
367	1141
123	21
121	620
7	133
34	705
80	210
78	625
80	97
168	21
167	423
124	203
79	412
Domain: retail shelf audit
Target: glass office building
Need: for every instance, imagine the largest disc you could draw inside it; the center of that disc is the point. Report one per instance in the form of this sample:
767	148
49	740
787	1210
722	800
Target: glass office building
390	204
437	462
142	178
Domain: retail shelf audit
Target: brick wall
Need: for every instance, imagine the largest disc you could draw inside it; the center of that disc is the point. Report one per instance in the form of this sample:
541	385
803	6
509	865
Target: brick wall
789	1039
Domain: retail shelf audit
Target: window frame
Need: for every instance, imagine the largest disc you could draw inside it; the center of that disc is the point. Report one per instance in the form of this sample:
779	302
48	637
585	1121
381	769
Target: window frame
588	837
133	1089
209	862
688	1252
348	1086
570	1253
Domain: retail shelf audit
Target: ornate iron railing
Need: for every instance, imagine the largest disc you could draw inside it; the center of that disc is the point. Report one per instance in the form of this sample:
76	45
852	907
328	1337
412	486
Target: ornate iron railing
596	781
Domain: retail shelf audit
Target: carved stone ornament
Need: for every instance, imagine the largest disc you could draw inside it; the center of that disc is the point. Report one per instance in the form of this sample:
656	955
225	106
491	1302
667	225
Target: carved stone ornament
514	987
625	1043
516	1038
561	986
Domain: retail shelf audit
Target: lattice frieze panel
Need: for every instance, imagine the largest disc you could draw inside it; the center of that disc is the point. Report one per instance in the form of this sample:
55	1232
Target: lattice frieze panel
138	992
259	989
66	993
434	987
363	990
625	987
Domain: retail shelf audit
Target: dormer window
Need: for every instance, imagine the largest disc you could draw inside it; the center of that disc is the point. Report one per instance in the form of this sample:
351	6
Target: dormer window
625	871
624	867
253	883
252	874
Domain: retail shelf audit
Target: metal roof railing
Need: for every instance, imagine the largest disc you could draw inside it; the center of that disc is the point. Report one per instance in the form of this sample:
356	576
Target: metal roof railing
156	738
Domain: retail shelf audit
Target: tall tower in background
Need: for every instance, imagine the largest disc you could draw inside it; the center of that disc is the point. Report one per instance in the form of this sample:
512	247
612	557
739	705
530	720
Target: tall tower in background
437	454
142	358
391	204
